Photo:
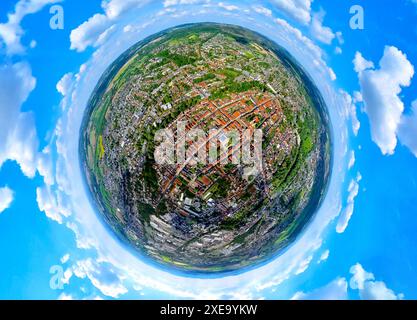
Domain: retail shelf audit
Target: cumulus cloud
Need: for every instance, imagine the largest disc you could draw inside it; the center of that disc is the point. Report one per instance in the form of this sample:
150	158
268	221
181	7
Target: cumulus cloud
45	166
357	97
359	277
320	32
6	198
262	10
369	289
360	63
377	290
314	50
381	88
115	8
408	129
53	204
298	35
97	28
362	281
350	108
102	276
347	213
82	241
65	297
228	7
298	10
88	32
18	134
11	32
335	290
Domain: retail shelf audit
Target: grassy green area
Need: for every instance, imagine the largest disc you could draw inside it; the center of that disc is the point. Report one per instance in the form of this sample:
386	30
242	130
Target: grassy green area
286	234
194	38
236	87
178	59
237	220
145	210
249	55
101	147
220	188
149	176
206	77
229	73
242	237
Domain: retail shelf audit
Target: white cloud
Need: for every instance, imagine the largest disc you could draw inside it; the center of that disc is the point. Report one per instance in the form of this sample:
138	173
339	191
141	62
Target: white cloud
228	7
97	28
298	10
88	32
18	132
320	32
347	213
262	10
369	289
408	129
303	265
361	64
357	97
352	160
67	276
350	108
45	166
324	256
169	3
335	290
82	241
65	296
359	277
102	276
339	37
361	280
332	75
53	204
115	8
344	218
380	90
338	50
11	32
65	84
315	51
65	258
377	290
6	198
18	135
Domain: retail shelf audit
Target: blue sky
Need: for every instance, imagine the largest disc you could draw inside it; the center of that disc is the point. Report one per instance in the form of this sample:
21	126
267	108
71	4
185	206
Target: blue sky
361	242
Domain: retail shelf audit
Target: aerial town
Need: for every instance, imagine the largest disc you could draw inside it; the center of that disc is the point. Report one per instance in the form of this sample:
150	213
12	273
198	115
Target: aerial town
219	214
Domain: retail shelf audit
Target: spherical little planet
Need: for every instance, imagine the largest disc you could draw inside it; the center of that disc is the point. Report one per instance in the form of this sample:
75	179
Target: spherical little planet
206	148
